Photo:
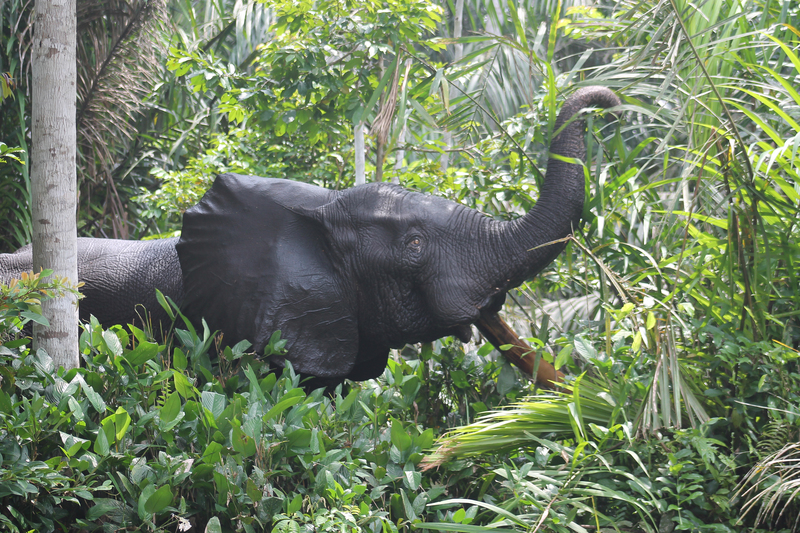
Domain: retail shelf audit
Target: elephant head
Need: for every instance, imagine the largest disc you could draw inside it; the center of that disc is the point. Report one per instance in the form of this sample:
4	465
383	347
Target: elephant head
347	275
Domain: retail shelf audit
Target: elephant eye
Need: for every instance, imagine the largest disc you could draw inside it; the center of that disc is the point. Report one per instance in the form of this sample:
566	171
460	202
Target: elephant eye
415	243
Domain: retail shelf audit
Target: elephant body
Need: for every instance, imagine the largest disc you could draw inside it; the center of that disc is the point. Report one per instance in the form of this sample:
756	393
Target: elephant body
120	277
344	275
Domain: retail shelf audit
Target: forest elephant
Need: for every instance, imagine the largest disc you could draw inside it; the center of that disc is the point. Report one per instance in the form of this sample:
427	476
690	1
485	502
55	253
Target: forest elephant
344	275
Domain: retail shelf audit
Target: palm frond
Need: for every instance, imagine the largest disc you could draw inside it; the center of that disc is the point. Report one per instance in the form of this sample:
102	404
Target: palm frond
562	414
774	487
117	62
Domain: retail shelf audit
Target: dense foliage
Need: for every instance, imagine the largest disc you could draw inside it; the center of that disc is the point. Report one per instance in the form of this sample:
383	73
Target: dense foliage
674	311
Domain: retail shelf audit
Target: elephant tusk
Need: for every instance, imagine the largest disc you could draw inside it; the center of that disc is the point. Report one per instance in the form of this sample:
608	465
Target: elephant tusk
521	354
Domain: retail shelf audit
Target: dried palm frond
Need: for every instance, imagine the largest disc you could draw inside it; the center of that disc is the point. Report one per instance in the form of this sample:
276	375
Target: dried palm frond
774	487
116	65
383	120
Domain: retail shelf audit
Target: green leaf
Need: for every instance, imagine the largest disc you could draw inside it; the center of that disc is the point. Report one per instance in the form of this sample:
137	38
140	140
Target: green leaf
122	421
253	492
506	380
412	479
159	500
295	505
291	398
36	317
407	507
255	387
164	305
563	356
171	408
211	454
5	402
179	359
112	344
242	443
142	353
147	491
114	510
183	386
95	399
400	437
518	26
348	401
424	114
437	79
214	402
101	446
585	349
213	526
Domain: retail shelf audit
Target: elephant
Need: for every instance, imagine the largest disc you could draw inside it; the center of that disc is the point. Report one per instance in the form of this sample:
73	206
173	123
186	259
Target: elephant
345	275
120	278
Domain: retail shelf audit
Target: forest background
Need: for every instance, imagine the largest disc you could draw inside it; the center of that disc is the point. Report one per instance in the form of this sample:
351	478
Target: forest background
674	311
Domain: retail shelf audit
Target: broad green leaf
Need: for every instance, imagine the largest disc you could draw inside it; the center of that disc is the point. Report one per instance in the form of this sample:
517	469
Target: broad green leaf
563	356
400	437
253	492
214	402
122	421
101	446
412	479
212	454
183	386
112	344
171	408
142	353
147	491
94	398
36	317
242	443
291	398
295	505
213	526
348	401
179	359
160	499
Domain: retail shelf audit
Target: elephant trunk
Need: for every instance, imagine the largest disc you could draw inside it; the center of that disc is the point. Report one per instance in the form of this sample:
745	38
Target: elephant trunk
526	245
525	242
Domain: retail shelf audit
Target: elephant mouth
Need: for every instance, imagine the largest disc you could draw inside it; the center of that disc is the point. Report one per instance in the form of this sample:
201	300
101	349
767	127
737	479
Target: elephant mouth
497	332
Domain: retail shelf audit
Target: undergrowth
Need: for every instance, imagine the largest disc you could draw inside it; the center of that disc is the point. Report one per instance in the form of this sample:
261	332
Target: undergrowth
193	436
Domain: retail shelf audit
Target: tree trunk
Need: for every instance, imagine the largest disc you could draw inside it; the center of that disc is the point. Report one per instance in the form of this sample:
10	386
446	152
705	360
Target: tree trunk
360	154
53	176
458	53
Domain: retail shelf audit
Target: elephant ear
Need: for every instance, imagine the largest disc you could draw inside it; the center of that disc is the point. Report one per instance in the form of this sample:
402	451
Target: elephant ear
256	258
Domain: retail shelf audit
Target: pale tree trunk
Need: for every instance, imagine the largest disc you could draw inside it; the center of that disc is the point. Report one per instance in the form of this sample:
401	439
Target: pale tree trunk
401	138
360	154
53	176
458	53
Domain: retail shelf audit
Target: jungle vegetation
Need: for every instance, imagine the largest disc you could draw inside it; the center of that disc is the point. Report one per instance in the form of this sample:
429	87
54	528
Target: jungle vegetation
674	311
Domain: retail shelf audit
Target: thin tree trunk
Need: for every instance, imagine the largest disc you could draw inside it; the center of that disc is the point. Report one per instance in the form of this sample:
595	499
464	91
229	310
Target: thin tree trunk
380	142
53	176
399	162
458	53
400	155
458	48
360	156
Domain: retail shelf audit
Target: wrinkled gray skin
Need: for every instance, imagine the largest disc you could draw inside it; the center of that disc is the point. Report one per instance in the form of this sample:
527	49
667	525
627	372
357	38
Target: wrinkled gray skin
345	275
120	277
